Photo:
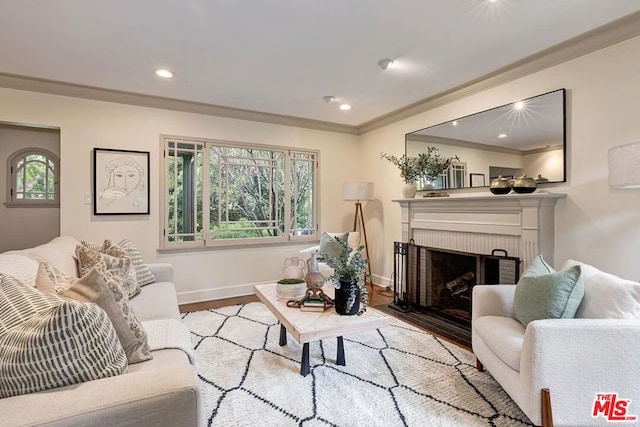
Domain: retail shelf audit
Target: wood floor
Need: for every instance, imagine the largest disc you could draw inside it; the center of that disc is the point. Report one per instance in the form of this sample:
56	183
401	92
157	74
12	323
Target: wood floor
379	299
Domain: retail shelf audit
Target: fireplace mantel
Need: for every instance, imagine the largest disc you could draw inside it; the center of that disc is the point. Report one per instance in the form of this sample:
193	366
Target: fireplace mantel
521	224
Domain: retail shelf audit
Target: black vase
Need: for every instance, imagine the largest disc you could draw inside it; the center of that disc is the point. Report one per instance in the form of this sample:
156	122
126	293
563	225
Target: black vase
342	296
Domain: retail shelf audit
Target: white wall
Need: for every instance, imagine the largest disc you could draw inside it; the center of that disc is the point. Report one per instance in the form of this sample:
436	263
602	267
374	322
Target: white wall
200	275
594	224
24	227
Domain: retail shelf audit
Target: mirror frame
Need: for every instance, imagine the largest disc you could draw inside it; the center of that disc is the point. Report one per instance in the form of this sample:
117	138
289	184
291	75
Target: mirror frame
488	180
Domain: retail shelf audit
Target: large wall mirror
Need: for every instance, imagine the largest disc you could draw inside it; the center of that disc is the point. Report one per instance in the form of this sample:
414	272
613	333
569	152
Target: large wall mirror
524	137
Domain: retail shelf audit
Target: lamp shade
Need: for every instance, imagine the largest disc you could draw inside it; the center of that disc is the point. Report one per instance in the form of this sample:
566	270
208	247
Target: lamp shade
357	191
624	166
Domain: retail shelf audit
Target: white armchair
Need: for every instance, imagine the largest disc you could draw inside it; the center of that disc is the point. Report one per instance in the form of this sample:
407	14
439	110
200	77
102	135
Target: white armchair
574	359
353	240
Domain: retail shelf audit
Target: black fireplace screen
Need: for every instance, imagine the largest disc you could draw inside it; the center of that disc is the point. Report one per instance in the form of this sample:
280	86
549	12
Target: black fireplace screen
441	281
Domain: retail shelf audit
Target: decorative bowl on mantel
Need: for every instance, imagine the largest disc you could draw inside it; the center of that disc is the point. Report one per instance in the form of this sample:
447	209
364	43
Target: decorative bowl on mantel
524	184
500	185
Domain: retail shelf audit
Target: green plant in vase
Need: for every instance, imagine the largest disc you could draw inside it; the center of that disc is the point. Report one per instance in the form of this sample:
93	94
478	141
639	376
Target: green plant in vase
350	269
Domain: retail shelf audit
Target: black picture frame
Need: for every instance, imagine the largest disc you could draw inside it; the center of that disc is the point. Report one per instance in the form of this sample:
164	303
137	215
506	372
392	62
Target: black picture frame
477	180
121	182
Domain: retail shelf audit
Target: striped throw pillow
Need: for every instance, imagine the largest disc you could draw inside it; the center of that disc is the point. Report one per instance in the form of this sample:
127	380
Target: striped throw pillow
143	273
50	342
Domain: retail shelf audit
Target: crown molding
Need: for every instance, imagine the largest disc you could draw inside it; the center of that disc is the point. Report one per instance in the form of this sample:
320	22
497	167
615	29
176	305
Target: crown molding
604	36
598	38
52	87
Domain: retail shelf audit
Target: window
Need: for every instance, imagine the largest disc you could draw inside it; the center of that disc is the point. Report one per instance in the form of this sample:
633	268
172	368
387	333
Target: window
33	178
219	193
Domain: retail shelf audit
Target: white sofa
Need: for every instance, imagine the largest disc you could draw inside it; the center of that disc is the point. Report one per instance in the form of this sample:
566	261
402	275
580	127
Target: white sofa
597	352
163	391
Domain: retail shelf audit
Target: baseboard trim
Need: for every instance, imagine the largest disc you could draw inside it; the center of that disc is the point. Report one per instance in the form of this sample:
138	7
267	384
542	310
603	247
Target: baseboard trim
210	294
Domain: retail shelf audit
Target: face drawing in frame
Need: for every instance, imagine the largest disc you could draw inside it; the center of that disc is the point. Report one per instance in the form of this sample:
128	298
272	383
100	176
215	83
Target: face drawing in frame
124	175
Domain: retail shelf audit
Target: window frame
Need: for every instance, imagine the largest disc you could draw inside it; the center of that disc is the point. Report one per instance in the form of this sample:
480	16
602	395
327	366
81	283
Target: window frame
12	176
209	242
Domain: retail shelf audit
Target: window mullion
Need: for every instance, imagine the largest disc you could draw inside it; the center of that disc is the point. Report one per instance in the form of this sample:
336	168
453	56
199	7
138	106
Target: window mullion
206	194
287	195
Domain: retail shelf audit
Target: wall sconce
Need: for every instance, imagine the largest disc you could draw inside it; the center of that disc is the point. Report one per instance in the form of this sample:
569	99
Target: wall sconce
624	166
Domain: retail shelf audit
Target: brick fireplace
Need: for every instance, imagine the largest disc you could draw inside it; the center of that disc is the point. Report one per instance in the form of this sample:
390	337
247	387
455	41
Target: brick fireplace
458	233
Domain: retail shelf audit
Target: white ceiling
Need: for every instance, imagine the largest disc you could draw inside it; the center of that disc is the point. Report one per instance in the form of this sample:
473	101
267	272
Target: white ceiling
283	56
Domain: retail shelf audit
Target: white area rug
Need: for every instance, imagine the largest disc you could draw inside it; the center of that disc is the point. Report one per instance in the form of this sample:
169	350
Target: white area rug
394	376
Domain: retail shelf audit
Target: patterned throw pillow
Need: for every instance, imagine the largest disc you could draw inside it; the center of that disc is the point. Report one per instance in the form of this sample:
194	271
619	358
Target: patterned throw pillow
50	342
143	273
112	258
94	287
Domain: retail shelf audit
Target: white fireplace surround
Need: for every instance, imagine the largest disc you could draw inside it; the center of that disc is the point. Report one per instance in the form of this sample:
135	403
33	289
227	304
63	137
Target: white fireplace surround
521	224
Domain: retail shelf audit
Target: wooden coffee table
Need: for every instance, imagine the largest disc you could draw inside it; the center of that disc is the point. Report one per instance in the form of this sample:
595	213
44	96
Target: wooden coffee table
307	326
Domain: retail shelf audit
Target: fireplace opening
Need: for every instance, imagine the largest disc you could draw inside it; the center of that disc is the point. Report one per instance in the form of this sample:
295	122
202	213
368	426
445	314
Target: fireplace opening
440	282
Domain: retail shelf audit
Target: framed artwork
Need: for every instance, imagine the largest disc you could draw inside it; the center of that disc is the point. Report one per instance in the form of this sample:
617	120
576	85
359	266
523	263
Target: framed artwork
120	182
477	180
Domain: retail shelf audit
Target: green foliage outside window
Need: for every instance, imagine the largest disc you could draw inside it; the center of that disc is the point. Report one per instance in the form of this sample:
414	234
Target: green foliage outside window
246	192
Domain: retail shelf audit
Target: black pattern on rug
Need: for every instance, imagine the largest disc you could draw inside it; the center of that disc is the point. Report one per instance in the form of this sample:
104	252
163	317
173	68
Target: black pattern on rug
394	376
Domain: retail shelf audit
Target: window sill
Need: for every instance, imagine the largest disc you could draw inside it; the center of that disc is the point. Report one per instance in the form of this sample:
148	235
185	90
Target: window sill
237	245
32	205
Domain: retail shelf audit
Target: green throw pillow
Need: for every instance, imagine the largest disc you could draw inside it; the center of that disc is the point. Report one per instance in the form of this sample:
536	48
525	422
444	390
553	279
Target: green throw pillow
330	246
543	293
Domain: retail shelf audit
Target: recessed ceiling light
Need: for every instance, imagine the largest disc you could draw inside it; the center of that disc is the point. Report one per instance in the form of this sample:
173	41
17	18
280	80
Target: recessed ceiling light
519	105
164	73
502	135
492	1
454	123
345	107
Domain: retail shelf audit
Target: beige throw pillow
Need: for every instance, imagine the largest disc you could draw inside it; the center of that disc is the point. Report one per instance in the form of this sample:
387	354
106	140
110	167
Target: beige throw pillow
97	287
112	258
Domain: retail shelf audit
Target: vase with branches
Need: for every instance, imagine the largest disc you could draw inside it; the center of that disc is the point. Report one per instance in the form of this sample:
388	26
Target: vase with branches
349	274
410	171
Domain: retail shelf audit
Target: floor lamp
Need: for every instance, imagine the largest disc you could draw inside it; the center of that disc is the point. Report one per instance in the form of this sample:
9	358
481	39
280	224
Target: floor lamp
359	191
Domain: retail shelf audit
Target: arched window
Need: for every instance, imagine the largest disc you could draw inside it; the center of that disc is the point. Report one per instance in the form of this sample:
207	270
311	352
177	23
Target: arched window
33	178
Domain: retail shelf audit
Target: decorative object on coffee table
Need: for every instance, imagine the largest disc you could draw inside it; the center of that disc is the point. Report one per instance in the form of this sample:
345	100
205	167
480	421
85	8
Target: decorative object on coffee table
291	288
524	184
347	298
314	281
294	268
313	278
349	271
500	185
